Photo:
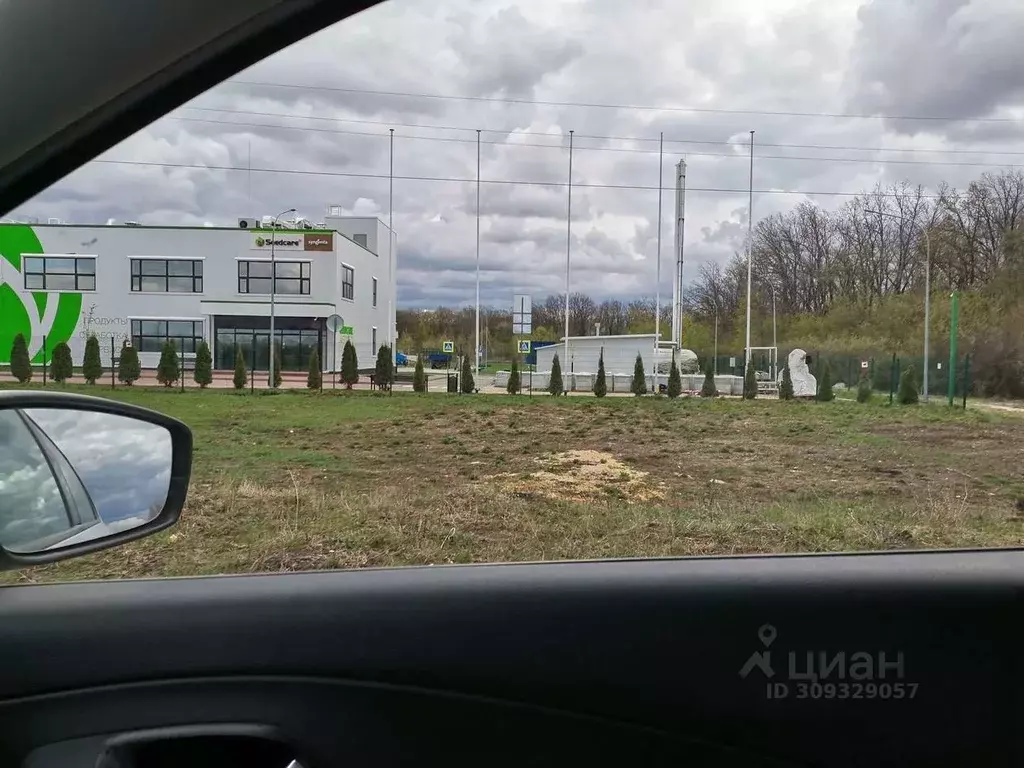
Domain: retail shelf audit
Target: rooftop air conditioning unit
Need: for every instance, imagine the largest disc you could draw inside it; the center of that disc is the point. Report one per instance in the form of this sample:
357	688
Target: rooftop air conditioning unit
249	222
131	223
54	220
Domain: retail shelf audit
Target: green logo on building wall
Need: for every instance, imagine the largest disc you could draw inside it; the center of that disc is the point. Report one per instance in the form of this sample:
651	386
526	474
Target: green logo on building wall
260	242
33	313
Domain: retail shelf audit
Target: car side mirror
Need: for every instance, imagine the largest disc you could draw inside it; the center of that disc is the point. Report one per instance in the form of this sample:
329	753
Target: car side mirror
79	474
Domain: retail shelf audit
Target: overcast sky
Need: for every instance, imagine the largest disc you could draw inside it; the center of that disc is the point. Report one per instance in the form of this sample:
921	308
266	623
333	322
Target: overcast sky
705	72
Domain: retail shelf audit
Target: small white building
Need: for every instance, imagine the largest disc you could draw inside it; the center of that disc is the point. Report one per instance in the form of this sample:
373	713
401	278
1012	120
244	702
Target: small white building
619	354
151	284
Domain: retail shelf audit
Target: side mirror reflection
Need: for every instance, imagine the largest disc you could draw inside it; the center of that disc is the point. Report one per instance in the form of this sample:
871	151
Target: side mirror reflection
69	476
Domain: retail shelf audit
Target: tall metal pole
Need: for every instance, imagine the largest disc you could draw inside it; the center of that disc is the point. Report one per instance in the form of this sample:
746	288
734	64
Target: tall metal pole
568	250
954	323
750	250
927	306
775	337
477	353
657	284
273	280
391	243
677	288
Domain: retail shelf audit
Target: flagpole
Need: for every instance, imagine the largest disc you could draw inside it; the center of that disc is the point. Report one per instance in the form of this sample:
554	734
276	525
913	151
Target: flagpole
750	250
568	249
657	289
476	356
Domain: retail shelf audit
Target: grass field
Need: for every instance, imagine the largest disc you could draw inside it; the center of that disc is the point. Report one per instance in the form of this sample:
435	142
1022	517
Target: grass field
298	481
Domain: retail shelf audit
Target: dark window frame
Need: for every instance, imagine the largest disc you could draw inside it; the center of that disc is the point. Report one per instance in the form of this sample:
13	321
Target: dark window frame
137	274
348	282
80	276
374	291
303	282
162	336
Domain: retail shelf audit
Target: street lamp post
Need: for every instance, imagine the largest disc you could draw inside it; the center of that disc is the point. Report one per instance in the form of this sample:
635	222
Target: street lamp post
927	288
273	279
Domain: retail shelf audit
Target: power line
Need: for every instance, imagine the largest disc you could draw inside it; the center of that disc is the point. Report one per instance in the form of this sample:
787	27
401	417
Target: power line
862	160
516	182
519	132
634	107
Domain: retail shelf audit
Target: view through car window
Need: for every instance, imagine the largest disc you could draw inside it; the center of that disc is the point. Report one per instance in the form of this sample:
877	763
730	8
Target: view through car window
517	281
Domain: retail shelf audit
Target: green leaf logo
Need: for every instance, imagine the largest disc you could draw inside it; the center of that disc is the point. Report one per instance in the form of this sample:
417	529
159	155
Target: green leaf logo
34	314
260	242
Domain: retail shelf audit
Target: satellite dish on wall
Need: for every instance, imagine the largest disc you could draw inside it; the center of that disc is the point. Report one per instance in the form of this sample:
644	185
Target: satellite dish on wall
334	323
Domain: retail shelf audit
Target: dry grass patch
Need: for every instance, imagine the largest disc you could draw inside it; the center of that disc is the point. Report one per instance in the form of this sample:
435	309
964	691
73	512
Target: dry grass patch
582	475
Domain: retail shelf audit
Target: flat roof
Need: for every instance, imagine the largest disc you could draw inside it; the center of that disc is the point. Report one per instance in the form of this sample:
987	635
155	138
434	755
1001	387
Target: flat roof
324	230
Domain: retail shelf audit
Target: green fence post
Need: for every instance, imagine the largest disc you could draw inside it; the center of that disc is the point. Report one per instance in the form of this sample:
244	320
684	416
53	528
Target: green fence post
894	370
954	320
967	378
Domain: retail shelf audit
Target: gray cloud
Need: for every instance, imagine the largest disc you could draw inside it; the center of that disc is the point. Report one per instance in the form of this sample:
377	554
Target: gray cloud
955	58
787	56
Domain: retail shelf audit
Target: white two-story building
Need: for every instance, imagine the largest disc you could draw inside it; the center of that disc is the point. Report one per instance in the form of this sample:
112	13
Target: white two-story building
62	282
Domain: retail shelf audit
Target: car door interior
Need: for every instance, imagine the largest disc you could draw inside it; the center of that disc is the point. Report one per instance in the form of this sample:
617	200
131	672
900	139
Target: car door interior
655	662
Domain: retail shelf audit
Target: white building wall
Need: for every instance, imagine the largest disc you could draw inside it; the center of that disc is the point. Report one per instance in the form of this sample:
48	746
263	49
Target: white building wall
108	310
619	353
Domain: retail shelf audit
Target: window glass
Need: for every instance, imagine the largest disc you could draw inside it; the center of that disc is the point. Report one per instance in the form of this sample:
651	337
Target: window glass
59	273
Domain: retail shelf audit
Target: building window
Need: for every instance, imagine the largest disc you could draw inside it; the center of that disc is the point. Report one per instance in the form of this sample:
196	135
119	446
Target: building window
373	340
375	291
359	240
151	335
348	282
292	277
59	273
167	275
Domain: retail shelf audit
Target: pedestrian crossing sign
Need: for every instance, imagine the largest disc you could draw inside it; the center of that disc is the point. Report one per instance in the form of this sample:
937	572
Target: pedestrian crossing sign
524	347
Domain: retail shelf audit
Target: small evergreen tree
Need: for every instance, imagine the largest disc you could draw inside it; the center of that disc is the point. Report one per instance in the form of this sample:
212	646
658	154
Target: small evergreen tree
675	383
466	382
601	382
555	383
241	378
315	377
92	366
907	393
750	382
128	367
708	389
786	387
277	366
419	376
825	393
639	384
167	370
515	381
61	366
383	369
349	365
864	390
21	366
203	374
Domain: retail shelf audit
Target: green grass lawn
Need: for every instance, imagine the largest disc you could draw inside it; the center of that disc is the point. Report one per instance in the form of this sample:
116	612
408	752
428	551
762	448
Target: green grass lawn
298	481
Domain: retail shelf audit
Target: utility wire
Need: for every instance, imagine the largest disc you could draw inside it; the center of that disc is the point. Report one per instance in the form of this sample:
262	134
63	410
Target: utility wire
460	180
446	139
634	107
519	132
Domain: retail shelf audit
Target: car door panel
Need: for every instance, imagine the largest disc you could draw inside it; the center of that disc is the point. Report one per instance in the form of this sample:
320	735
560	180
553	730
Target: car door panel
652	644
